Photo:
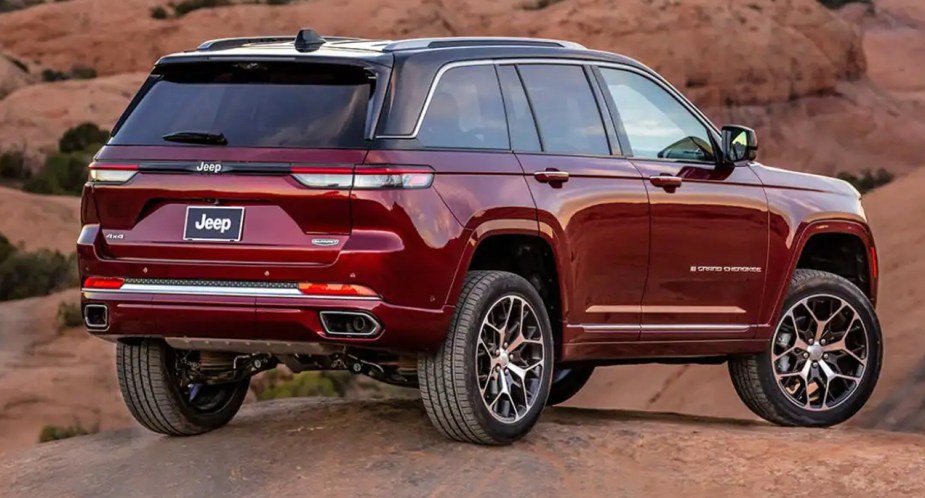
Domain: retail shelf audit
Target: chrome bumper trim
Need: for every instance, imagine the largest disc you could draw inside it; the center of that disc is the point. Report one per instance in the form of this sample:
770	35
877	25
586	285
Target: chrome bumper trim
194	290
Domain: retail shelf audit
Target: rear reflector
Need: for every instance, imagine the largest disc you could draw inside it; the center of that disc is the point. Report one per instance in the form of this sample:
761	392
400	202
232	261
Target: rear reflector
112	173
103	283
336	290
365	177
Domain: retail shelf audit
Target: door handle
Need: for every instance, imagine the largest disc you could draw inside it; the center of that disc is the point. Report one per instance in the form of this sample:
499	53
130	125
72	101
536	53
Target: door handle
551	176
666	181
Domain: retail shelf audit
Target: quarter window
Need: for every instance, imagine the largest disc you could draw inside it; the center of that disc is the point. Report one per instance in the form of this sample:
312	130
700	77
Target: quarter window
466	111
565	109
656	124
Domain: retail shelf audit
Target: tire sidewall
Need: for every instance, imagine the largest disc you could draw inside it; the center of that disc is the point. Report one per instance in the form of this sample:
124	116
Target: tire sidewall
836	286
516	286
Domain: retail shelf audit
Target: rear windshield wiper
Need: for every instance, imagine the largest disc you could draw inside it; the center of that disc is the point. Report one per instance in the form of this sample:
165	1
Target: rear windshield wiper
196	137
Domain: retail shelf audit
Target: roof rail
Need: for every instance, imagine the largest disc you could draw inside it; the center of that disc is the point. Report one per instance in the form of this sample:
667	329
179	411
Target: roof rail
420	43
226	43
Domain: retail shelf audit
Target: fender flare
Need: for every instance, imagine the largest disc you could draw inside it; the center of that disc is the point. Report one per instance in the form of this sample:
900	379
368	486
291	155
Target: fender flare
496	227
775	298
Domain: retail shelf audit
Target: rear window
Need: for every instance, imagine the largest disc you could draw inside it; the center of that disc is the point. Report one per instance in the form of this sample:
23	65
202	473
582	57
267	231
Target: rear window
253	105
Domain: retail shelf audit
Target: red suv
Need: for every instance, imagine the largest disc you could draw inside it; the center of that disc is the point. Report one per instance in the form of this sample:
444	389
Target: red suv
488	219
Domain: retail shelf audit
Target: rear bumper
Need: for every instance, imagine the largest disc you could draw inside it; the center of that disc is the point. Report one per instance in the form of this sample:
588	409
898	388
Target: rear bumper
195	314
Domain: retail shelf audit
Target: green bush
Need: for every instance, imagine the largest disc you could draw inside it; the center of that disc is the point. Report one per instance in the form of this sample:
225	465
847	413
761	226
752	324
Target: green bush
62	174
70	315
13	166
186	6
39	273
81	137
158	12
540	4
52	75
867	181
79	72
57	433
6	249
837	4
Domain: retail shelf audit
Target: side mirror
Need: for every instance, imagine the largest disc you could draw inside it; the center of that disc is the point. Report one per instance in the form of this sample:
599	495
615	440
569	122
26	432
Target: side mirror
739	144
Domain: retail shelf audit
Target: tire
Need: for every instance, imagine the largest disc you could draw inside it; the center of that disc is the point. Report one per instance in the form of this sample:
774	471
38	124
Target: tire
567	382
755	377
450	380
153	394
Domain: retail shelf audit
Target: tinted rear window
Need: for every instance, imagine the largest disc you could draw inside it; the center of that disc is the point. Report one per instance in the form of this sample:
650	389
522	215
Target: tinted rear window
254	105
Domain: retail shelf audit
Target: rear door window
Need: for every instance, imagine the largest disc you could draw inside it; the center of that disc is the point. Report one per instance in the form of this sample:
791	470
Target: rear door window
566	111
524	137
253	105
466	111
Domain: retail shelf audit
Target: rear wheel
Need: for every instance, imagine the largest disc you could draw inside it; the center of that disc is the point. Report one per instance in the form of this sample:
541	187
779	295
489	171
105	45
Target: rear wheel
823	361
153	387
566	382
490	380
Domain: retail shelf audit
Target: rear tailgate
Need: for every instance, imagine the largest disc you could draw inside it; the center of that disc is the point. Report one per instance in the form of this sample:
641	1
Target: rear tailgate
154	215
205	164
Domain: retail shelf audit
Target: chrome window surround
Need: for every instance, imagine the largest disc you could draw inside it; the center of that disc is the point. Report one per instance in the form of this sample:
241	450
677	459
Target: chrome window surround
651	75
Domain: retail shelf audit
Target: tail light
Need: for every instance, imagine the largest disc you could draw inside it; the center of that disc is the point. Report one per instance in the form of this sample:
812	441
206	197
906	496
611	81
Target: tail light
103	283
336	290
365	177
112	173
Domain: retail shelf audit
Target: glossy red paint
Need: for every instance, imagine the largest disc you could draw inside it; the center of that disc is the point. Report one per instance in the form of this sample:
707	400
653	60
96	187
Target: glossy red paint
643	264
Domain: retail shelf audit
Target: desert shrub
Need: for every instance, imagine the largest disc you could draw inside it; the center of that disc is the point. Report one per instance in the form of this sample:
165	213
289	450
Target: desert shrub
280	384
540	4
184	7
52	75
81	72
158	12
11	5
70	315
62	174
13	166
6	249
28	274
78	72
837	4
867	180
57	433
81	137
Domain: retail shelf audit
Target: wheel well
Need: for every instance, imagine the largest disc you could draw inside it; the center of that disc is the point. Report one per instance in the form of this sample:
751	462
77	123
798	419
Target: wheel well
531	258
839	253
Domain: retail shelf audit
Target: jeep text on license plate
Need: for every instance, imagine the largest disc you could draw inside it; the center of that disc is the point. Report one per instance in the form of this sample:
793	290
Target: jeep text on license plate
213	223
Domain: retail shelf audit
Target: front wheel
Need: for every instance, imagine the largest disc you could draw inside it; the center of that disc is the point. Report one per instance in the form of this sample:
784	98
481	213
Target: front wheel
489	381
823	361
155	393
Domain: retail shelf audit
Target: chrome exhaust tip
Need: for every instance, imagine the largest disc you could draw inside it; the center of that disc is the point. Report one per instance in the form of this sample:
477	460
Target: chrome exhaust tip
349	323
96	316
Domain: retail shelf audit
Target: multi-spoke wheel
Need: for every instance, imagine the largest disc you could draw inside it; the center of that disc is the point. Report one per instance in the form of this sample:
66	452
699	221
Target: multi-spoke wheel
162	399
509	359
489	382
824	357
